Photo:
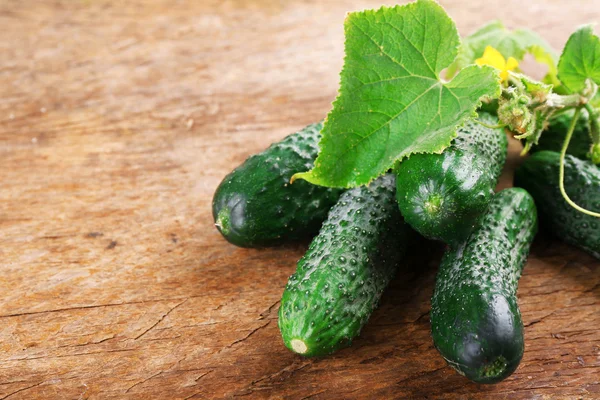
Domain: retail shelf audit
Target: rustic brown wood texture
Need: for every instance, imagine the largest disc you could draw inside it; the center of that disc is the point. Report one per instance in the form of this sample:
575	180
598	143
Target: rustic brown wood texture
117	122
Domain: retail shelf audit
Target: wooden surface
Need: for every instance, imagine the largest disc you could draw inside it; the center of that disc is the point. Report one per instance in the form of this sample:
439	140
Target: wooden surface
117	122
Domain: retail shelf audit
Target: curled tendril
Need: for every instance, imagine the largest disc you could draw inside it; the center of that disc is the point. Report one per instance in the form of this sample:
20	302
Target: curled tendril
561	178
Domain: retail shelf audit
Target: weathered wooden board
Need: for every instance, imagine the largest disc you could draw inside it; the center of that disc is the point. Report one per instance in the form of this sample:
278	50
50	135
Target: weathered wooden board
117	122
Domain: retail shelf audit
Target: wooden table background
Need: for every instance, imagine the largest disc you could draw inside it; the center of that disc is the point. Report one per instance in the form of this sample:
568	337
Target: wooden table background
117	122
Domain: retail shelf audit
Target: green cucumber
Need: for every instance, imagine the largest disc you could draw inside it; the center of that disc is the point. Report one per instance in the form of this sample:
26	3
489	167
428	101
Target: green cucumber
539	174
475	320
338	282
554	135
442	195
255	205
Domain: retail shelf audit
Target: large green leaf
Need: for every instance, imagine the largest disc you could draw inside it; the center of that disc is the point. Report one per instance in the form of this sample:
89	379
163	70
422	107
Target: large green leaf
515	44
392	102
580	60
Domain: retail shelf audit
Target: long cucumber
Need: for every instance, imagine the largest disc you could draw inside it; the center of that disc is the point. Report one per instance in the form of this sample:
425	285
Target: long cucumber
340	279
475	320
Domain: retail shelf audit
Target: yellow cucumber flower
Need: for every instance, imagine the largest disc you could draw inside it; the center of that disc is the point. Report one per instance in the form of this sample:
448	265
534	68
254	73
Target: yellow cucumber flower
492	57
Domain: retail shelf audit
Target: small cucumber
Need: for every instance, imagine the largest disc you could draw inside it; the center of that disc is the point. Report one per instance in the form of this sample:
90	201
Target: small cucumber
340	279
539	175
255	205
475	321
442	195
554	135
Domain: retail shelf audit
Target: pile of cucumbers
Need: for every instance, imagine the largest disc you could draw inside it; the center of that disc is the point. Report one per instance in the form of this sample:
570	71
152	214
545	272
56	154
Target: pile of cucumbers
360	237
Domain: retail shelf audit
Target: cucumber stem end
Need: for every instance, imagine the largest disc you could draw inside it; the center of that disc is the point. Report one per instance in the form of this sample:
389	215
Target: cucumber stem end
222	221
433	204
299	346
495	369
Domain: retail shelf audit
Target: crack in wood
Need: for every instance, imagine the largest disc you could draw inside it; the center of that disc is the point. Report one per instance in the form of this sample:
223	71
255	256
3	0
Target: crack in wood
162	372
160	320
313	394
142	381
267	312
203	375
423	315
88	343
27	313
538	320
201	324
196	380
162	338
287	368
252	332
21	390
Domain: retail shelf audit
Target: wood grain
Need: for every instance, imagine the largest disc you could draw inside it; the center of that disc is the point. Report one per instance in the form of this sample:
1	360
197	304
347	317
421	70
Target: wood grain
117	122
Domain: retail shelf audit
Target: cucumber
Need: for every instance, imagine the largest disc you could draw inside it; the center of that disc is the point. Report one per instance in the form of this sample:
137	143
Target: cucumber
255	205
442	195
340	279
539	175
475	321
554	135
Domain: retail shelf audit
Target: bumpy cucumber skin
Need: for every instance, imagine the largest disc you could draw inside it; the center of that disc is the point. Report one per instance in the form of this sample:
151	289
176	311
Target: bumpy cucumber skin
475	320
539	175
442	195
255	205
338	282
553	137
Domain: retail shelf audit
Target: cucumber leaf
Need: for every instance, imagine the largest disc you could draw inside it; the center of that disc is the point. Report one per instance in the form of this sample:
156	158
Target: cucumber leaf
515	44
392	102
580	60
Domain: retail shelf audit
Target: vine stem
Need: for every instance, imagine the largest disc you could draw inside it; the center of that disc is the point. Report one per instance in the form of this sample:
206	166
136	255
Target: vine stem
559	101
561	173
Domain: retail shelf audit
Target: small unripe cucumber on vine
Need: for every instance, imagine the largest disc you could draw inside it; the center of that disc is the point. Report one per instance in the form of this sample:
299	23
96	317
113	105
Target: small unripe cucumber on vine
255	205
539	174
338	282
553	136
442	195
475	320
